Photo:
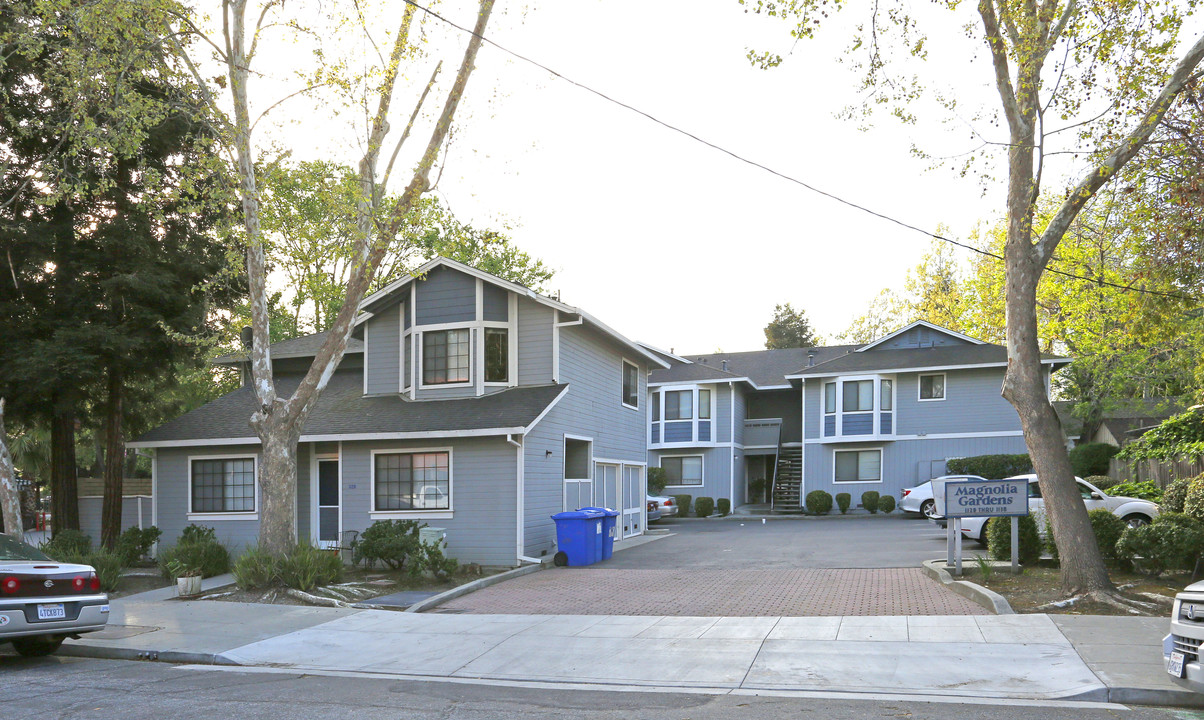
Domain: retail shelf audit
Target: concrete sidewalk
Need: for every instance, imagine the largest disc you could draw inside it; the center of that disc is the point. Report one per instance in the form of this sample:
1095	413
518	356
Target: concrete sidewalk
1035	657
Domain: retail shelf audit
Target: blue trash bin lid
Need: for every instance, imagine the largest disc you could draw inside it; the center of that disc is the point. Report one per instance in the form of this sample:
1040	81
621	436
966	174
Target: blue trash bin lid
605	511
582	514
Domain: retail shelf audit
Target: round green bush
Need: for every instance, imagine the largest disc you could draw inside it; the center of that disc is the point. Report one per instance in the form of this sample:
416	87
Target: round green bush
1172	541
1103	482
843	500
886	504
704	506
1193	504
724	505
1176	494
67	543
683	504
999	539
1108	528
1092	458
208	556
869	501
819	502
992	467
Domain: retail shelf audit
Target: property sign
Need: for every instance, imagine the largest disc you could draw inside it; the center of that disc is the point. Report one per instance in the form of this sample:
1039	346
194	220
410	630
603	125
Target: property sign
985	498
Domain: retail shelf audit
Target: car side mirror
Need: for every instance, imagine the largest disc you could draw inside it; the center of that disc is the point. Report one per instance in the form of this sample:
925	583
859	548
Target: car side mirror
1096	496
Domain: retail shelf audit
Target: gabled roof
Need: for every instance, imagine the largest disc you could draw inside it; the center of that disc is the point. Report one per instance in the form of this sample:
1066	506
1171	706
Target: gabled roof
760	368
920	323
380	296
304	346
344	412
949	357
666	356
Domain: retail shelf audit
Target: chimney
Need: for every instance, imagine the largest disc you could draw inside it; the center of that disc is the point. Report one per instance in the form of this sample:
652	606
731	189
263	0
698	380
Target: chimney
725	366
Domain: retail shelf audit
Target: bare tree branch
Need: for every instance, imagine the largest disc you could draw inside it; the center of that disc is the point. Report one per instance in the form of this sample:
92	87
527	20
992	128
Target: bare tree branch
999	57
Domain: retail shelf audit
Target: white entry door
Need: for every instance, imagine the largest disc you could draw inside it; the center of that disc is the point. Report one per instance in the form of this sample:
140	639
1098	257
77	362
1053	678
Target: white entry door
633	500
607	490
327	509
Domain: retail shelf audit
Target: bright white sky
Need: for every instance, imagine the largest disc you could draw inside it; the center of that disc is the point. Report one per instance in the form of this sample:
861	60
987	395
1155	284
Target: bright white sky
669	241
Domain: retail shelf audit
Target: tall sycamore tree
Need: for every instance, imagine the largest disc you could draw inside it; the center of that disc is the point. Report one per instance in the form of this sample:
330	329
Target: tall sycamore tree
1051	62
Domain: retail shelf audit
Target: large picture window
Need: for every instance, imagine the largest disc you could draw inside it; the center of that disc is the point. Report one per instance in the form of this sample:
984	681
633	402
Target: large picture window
679	405
858	466
445	356
685	470
631	385
497	355
932	387
858	396
223	485
411	481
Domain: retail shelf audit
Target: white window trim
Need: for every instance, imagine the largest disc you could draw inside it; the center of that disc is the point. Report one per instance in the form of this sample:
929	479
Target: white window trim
210	516
564	466
877	410
881	456
315	516
440	514
944	387
422	384
623	382
702	459
659	398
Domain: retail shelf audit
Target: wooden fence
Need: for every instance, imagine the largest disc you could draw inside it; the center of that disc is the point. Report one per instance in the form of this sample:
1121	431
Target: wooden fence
1163	472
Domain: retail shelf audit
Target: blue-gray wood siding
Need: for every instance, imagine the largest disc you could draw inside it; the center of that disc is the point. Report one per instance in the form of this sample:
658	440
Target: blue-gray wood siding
784	404
740	413
90	509
716	471
534	343
723	412
483	525
656	433
445	296
593	407
304	488
382	334
495	303
919	337
829	425
172	491
905	463
886	423
972	404
679	431
704	431
858	424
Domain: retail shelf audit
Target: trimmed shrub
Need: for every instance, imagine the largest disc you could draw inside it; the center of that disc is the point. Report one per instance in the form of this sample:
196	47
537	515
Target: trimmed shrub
656	480
135	543
393	542
1103	482
992	467
305	567
254	569
437	563
109	565
999	539
886	504
843	500
71	543
198	533
1193	504
1172	541
819	502
1091	458
724	505
704	506
1147	490
1108	528
1175	495
1051	545
683	504
869	501
209	556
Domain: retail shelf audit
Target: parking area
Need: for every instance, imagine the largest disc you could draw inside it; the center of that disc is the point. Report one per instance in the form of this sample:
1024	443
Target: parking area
745	568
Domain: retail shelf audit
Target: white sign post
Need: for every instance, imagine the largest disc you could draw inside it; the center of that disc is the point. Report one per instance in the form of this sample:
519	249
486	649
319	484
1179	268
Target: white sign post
957	499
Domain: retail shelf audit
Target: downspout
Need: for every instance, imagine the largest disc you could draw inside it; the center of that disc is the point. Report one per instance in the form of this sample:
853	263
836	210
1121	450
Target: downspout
731	463
802	450
520	504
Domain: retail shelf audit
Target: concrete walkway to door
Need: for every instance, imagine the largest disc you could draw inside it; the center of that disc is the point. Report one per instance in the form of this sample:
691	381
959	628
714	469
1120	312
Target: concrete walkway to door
742	568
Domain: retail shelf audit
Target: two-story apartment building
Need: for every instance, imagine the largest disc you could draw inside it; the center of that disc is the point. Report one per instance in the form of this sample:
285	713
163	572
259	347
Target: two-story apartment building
881	416
465	401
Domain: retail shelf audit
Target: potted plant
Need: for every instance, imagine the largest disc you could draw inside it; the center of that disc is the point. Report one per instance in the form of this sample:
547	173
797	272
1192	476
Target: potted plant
188	578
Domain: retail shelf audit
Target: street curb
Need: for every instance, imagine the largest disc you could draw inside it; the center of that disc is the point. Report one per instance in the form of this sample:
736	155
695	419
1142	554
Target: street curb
167	656
473	586
991	600
1155	697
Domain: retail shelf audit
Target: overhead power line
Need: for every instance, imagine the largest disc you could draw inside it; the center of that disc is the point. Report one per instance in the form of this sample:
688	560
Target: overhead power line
776	173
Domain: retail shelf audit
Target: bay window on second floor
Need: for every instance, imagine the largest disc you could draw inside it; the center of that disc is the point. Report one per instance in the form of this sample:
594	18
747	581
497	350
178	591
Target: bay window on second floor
858	406
683	414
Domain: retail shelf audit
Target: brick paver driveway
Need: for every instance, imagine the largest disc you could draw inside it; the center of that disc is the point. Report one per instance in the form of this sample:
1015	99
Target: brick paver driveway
789	567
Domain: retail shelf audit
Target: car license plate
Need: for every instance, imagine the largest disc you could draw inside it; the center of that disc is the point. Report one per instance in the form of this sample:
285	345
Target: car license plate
1174	666
54	611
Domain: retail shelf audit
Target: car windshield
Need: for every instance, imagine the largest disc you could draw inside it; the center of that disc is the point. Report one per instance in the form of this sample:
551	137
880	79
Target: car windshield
13	549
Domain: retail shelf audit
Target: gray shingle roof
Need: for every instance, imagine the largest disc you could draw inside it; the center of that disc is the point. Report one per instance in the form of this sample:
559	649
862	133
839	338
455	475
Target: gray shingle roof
762	367
304	346
916	359
342	409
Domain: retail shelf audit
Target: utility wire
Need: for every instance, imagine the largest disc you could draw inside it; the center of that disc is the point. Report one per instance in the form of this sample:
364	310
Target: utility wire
771	171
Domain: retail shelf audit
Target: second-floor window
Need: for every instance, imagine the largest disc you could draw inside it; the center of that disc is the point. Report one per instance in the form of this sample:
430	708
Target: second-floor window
932	387
497	355
445	356
679	405
631	385
858	396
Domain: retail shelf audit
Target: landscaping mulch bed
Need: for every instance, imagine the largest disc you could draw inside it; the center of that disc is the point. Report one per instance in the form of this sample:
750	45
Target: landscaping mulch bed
1035	588
357	586
142	582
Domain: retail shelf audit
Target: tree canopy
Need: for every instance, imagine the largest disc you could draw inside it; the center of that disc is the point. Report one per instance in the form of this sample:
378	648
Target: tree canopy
789	328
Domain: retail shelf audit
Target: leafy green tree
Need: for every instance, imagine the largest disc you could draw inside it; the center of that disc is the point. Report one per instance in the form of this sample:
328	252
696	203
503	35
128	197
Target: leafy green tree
789	328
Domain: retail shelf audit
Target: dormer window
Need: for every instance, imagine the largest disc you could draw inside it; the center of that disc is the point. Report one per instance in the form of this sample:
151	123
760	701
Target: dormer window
445	357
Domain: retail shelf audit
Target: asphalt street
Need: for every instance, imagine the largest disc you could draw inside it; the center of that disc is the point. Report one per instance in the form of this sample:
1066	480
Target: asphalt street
101	689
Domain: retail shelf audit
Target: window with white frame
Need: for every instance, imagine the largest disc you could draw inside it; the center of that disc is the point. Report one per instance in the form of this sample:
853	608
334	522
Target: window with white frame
445	356
683	470
679	404
829	398
932	387
704	404
886	400
631	385
858	396
497	355
223	485
853	466
411	481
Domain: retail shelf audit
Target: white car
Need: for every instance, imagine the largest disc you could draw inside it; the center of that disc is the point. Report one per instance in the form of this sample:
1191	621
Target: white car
43	602
1133	511
919	498
1181	649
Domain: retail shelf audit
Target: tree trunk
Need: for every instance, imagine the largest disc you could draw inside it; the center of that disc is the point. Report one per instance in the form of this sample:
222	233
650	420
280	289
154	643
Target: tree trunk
64	496
114	467
10	497
278	485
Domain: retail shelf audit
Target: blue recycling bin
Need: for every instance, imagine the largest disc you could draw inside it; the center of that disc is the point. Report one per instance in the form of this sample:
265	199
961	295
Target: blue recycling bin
579	537
607	546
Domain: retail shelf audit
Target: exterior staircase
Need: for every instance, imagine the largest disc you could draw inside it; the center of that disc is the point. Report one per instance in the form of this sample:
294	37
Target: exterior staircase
788	481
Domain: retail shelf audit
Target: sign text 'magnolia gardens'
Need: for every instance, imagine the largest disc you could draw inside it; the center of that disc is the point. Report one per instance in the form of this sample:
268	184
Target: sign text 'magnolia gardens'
991	498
